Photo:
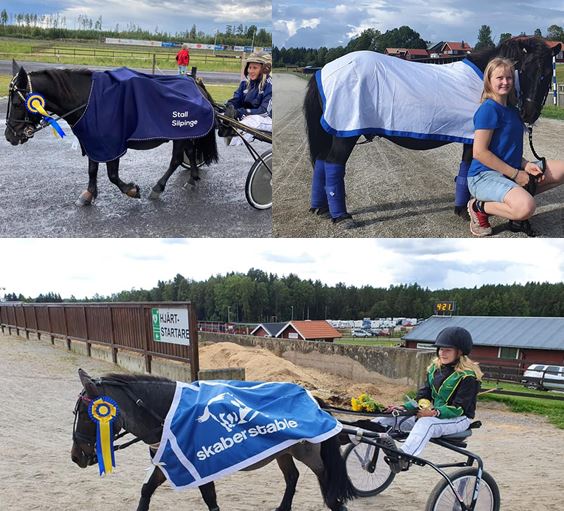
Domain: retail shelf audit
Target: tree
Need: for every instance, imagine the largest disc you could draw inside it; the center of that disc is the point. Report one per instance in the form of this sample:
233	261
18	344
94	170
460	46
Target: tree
538	32
504	36
555	33
402	37
484	38
193	32
3	17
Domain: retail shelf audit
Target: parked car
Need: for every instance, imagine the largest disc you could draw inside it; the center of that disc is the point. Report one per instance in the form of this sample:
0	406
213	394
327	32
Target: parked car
359	332
544	377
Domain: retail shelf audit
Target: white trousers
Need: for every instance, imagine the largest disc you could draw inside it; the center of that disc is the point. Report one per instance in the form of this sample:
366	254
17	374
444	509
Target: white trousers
257	122
425	428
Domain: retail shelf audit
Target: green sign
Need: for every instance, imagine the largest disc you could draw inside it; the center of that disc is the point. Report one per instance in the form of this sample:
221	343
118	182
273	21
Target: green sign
156	324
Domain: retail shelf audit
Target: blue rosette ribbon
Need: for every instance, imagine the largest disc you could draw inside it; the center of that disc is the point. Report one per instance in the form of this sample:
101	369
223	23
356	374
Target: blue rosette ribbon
35	103
103	411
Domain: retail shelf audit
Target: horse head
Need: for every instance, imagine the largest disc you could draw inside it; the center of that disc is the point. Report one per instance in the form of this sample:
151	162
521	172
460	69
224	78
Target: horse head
20	123
83	451
534	65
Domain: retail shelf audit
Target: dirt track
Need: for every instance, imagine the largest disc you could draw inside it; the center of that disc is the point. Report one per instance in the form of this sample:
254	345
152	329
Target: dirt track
391	191
39	388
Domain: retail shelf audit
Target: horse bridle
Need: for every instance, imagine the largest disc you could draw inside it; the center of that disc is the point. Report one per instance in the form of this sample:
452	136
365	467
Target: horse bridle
32	126
80	438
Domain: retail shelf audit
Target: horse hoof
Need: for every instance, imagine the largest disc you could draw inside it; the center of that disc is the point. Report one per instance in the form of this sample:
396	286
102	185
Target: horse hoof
134	192
85	199
462	212
524	226
154	195
320	212
344	222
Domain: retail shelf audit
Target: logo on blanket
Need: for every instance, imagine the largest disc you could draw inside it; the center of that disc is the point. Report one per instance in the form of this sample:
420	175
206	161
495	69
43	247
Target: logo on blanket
177	120
240	413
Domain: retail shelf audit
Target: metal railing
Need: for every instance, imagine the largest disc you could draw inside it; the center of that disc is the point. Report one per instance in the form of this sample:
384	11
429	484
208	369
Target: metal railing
119	326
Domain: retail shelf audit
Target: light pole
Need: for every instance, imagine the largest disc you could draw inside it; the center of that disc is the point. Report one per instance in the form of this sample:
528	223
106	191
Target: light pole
292	313
253	41
215	41
228	309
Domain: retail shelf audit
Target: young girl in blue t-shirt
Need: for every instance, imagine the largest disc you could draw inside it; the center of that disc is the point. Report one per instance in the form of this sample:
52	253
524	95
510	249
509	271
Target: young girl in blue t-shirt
498	171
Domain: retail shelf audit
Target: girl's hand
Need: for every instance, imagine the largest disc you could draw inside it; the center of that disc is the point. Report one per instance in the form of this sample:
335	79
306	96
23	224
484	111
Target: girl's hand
522	178
426	412
534	170
391	408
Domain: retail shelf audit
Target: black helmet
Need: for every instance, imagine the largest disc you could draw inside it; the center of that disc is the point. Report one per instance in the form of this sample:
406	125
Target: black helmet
455	337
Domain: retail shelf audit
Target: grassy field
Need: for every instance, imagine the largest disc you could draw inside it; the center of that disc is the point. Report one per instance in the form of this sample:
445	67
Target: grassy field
4	83
552	410
98	54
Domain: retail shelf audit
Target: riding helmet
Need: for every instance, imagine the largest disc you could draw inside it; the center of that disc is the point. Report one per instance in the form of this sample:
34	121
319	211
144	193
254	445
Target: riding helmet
455	337
257	57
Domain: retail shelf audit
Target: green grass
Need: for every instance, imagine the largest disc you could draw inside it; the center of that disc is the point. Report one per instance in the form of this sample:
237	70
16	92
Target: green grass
553	112
4	83
221	92
136	57
552	410
369	341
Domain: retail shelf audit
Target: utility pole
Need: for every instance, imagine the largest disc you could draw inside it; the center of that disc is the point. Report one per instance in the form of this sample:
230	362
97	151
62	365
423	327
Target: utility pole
292	313
228	310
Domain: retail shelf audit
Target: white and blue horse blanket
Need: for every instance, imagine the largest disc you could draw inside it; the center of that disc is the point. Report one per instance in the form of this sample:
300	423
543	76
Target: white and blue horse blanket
214	428
367	93
125	105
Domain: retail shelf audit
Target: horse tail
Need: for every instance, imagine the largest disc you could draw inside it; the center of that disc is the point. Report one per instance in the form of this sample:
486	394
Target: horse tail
206	147
335	483
319	140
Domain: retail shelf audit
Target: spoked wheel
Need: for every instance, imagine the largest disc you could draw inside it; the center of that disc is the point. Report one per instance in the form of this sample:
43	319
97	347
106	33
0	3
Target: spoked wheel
258	188
443	499
367	470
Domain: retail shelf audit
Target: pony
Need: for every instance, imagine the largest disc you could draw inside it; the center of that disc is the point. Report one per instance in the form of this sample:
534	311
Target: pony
533	64
143	403
66	93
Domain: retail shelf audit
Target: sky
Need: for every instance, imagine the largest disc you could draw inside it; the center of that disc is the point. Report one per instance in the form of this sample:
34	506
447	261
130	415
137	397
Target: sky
169	16
83	267
332	23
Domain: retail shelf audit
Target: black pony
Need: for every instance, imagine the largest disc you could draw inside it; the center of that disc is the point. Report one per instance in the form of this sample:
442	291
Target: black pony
143	403
533	62
66	94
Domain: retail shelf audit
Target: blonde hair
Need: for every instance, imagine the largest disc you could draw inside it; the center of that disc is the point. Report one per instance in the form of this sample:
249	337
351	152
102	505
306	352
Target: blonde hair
464	364
490	68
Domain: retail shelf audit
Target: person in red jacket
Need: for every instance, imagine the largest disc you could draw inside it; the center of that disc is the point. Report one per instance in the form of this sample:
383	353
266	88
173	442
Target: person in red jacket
183	59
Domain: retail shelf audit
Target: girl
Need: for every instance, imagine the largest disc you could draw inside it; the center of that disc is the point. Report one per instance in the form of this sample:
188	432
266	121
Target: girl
251	103
451	386
498	171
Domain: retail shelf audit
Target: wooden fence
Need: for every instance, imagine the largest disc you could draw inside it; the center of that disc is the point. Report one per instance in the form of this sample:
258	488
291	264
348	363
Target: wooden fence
120	326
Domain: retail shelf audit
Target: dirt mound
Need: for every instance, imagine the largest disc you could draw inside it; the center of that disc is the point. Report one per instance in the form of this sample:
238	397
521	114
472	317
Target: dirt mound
263	365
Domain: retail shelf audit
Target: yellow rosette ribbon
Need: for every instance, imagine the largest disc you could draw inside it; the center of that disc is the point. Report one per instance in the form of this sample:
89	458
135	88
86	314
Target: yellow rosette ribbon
35	103
103	411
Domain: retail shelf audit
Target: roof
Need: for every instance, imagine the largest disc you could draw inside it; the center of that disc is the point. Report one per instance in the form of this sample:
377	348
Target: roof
273	329
314	329
395	50
514	332
462	46
417	51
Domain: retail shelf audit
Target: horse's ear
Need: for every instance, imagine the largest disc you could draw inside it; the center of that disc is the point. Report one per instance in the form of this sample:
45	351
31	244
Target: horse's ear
556	50
15	67
21	80
87	383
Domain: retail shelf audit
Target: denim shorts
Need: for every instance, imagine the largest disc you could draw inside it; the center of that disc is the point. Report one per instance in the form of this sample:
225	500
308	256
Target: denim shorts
490	186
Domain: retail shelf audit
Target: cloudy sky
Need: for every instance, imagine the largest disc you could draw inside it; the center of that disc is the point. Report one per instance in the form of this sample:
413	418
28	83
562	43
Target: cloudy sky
85	267
333	22
170	16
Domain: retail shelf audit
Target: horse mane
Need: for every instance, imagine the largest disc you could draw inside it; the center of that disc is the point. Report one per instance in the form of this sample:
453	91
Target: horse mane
61	83
511	49
136	378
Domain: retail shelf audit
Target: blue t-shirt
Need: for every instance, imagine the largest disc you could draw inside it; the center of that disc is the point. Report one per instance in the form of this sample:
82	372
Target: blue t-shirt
507	138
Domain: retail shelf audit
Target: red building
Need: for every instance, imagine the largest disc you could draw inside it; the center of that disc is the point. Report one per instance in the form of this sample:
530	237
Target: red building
309	331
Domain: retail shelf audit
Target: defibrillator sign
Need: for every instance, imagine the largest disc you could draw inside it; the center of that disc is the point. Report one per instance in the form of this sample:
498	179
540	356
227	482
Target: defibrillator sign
171	325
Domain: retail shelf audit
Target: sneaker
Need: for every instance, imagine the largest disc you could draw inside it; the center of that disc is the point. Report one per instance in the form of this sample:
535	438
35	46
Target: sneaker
479	223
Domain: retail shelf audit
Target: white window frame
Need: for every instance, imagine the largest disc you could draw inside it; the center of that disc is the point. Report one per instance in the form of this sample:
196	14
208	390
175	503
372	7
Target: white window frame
517	354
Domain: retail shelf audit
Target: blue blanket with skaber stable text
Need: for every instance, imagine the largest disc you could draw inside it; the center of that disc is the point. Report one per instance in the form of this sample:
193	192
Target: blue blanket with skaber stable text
125	105
214	428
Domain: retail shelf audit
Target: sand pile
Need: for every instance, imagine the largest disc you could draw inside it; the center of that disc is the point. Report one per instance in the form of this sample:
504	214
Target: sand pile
263	365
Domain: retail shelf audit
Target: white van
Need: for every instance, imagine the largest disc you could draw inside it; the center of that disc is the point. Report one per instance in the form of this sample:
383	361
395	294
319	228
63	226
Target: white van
544	377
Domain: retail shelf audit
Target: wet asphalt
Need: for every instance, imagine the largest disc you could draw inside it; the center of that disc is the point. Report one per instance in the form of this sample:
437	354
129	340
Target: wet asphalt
41	180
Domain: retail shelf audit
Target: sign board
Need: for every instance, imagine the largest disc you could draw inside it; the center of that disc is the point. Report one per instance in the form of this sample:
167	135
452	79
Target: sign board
293	335
445	308
171	325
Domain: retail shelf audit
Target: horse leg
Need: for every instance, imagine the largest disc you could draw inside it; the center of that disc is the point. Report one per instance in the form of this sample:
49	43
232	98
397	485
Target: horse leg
209	496
157	478
462	195
291	475
129	189
88	196
175	161
341	149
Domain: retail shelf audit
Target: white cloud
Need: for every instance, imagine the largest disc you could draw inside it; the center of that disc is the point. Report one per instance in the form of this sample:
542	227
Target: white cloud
85	267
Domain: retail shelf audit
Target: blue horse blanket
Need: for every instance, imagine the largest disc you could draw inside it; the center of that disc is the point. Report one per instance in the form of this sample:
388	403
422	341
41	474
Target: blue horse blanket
367	93
125	105
214	428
